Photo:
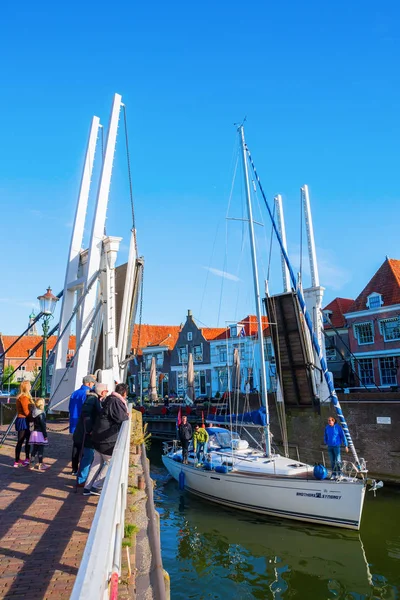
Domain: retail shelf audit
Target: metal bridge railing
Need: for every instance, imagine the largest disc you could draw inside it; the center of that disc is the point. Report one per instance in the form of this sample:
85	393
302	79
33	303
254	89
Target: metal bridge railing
101	561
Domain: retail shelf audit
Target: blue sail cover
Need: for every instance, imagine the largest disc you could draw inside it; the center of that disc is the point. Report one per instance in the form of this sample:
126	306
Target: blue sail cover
255	417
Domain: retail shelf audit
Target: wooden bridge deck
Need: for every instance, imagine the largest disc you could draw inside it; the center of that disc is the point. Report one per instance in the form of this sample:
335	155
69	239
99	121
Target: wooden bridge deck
44	524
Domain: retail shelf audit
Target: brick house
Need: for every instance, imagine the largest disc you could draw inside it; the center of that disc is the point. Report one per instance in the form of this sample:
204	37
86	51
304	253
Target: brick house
157	341
338	355
373	322
24	349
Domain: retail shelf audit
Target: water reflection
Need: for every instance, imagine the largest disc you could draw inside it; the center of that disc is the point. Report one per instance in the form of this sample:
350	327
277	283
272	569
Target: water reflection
218	553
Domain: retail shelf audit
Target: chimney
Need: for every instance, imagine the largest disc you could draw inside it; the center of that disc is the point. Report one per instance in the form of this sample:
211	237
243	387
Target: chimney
189	314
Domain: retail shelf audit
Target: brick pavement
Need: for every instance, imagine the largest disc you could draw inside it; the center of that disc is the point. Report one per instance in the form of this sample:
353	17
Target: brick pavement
44	524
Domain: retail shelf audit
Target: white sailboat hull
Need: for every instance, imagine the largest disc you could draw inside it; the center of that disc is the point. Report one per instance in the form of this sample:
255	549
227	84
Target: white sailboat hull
326	502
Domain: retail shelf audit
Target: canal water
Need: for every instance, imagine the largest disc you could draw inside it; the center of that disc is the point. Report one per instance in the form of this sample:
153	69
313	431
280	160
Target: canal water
215	553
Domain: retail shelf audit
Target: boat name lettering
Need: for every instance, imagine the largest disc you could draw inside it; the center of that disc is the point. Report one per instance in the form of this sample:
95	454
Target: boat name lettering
319	495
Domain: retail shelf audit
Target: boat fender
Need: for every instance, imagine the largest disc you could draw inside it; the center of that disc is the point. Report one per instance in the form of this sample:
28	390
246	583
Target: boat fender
222	469
181	480
177	458
208	466
320	472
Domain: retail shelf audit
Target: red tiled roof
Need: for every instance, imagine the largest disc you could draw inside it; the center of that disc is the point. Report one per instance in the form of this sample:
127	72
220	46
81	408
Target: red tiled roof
250	327
338	307
155	335
28	342
213	333
386	281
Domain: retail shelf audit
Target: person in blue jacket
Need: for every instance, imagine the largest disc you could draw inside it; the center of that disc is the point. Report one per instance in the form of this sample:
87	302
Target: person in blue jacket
75	406
334	437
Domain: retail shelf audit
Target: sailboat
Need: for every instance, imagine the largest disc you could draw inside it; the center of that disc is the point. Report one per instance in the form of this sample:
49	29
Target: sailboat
266	482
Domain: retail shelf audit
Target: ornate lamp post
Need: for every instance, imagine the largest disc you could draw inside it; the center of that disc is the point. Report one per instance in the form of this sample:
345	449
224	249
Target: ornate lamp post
47	305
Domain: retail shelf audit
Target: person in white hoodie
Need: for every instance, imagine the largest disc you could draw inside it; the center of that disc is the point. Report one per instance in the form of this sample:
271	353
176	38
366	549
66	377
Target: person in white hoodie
38	438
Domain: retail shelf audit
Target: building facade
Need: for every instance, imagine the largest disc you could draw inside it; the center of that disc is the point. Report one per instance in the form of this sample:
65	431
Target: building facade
23	351
337	344
373	323
196	341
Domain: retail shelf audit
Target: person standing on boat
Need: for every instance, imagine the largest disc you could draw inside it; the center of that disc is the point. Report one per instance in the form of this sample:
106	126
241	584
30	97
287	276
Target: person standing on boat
200	441
185	435
334	437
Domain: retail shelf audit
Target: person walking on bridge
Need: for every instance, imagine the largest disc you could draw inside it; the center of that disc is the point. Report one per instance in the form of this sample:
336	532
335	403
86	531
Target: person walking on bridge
114	412
75	406
83	432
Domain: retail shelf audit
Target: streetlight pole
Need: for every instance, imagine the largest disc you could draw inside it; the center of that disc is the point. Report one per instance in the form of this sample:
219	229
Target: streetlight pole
47	305
46	327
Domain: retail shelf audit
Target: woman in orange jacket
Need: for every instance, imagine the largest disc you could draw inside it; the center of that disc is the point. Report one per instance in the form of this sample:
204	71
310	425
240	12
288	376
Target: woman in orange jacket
24	403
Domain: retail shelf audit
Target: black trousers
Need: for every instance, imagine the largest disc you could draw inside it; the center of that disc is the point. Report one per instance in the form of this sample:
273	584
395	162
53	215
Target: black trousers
37	449
185	450
76	454
23	436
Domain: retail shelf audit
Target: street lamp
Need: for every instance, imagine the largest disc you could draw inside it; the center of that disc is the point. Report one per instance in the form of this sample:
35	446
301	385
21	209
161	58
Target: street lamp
47	306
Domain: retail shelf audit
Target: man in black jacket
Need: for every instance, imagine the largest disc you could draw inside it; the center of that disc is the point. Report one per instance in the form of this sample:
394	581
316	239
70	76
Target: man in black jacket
114	412
91	409
185	435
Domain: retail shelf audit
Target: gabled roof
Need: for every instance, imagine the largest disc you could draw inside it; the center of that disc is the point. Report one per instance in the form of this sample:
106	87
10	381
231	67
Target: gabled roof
386	281
155	335
338	307
28	342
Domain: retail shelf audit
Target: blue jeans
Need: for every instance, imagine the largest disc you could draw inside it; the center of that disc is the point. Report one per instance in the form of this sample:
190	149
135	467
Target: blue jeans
336	461
201	450
86	462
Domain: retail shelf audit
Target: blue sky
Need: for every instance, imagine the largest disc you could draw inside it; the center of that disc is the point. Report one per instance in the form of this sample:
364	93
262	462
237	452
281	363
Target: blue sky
318	83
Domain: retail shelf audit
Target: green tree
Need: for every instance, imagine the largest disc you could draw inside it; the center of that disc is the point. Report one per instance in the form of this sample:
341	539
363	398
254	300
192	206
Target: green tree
9	375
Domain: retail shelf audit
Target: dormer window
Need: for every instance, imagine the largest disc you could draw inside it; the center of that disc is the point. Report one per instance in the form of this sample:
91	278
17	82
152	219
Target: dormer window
374	300
234	330
189	336
327	317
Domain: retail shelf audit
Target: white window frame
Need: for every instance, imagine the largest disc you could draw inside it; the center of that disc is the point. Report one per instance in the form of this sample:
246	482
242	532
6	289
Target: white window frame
181	383
383	332
356	335
201	353
387	368
233	330
239	347
268	349
189	336
182	356
372	297
222	349
361	362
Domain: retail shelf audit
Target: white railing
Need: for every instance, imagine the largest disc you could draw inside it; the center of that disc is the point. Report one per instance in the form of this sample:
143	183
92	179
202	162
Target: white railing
102	556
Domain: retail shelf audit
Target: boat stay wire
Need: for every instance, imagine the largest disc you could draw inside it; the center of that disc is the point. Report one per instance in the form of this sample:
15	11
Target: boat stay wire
318	349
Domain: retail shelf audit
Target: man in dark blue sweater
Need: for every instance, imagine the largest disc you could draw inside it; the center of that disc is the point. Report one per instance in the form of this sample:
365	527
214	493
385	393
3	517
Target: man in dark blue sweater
334	437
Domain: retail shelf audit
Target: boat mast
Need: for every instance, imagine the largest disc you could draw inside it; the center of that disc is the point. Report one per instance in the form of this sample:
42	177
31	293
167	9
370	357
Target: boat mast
263	373
307	318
